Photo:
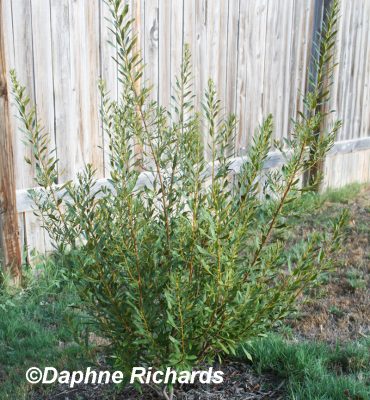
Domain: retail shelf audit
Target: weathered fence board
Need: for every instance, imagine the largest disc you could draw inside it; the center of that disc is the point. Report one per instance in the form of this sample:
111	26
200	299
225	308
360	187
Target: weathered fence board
257	52
10	253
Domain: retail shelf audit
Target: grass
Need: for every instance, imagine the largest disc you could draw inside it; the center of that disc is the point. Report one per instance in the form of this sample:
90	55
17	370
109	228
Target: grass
40	326
356	279
342	195
311	201
315	371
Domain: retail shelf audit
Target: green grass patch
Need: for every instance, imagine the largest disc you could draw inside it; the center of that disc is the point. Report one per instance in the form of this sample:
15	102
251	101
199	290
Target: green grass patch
40	327
342	195
315	371
312	202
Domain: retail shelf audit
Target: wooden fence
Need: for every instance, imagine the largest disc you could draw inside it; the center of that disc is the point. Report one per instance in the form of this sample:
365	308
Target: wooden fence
257	52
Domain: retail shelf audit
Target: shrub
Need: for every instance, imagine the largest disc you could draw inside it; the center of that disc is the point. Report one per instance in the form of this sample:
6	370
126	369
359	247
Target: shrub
176	261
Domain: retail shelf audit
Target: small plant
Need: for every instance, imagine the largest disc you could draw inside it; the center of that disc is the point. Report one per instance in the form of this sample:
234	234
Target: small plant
175	263
355	279
337	312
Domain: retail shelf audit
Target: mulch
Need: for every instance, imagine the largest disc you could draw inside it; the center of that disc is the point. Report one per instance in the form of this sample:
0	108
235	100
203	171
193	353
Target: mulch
240	383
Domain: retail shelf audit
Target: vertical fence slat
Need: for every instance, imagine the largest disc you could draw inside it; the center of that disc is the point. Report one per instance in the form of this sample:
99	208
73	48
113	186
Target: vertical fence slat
23	64
164	48
91	130
84	42
44	98
65	138
276	79
108	68
108	51
219	48
176	40
150	38
199	50
10	254
365	122
232	55
241	89
299	54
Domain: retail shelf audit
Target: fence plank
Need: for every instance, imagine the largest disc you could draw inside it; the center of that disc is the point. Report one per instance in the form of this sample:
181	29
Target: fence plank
66	140
108	69
164	49
23	64
199	50
232	55
276	73
176	41
150	44
302	33
241	88
10	254
84	31
44	98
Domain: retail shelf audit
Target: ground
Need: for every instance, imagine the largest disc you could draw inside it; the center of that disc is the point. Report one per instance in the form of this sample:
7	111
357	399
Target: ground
339	309
320	352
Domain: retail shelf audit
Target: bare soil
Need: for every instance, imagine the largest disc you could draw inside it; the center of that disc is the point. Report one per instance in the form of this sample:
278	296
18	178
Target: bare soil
339	309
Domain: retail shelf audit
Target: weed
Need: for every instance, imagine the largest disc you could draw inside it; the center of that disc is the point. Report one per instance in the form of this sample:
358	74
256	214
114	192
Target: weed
355	279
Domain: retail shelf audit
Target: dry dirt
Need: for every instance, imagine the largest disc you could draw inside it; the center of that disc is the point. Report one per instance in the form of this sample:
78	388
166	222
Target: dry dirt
339	309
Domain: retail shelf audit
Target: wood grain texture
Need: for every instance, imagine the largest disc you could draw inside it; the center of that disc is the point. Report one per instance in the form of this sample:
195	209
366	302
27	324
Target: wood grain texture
164	52
23	62
84	45
232	56
44	99
256	51
353	167
67	145
150	43
10	254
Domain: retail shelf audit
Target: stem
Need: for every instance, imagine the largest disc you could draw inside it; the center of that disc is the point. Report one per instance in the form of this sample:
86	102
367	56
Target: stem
169	395
181	319
280	206
133	87
141	113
